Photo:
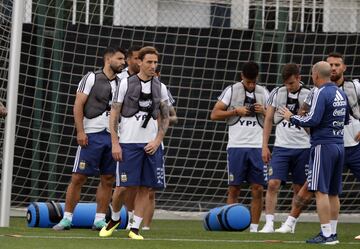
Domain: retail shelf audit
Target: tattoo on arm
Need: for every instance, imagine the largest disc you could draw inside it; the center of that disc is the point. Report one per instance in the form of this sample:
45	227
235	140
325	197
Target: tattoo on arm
116	107
164	113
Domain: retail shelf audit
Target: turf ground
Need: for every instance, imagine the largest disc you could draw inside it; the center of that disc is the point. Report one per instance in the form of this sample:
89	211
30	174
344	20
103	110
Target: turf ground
169	234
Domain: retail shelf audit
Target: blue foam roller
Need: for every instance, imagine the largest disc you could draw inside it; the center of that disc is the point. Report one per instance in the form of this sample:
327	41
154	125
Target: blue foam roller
235	217
48	214
211	220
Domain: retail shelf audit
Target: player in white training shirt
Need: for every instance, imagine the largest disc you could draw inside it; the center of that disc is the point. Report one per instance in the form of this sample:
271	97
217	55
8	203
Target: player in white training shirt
142	101
243	106
291	149
93	157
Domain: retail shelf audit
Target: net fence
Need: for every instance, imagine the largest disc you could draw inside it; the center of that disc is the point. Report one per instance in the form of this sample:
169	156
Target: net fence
203	45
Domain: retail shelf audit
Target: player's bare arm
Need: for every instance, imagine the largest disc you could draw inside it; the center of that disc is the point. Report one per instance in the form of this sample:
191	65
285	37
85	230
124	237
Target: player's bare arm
163	125
114	126
78	110
173	119
3	111
265	154
221	112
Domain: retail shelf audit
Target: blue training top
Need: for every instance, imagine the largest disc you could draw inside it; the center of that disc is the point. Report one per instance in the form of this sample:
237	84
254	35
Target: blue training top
327	117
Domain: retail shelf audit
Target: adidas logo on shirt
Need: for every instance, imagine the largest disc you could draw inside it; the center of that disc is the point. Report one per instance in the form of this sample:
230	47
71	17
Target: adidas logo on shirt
339	100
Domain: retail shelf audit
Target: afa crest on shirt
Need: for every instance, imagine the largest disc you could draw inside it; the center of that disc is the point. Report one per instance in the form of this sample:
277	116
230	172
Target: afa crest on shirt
82	165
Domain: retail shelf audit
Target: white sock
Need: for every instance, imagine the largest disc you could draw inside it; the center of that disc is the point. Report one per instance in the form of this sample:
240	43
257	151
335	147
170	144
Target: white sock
115	216
333	224
99	217
136	222
291	221
326	229
68	216
254	227
130	215
269	218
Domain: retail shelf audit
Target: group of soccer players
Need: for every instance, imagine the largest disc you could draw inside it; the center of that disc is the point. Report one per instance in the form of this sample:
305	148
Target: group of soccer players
121	117
315	138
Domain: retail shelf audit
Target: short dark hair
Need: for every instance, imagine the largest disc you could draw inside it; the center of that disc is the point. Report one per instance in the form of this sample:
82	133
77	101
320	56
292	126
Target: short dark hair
147	50
250	70
132	49
290	70
111	50
336	55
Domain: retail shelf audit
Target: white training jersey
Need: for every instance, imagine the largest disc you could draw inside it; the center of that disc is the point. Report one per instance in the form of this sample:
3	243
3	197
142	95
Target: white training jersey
246	133
130	130
353	128
288	135
350	130
100	122
124	73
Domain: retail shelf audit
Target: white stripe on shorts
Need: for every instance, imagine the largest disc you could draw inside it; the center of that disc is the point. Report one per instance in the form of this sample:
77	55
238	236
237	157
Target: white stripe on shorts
77	157
316	168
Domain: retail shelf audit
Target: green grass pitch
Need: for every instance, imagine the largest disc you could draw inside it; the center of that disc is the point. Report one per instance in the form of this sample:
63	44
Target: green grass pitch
169	234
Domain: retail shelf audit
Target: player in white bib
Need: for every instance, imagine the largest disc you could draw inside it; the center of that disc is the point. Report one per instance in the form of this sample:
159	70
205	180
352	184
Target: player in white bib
93	157
142	101
291	150
243	106
132	61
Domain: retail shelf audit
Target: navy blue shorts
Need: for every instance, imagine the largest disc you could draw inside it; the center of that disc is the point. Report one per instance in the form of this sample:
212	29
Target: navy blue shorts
325	168
285	160
96	158
245	165
352	160
140	169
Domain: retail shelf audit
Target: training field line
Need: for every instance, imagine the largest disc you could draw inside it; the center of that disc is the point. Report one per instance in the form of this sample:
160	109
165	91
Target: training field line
165	239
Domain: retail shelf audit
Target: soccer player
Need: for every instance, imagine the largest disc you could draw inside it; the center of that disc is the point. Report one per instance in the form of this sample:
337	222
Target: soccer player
3	111
291	148
243	106
351	139
132	61
327	117
141	99
93	157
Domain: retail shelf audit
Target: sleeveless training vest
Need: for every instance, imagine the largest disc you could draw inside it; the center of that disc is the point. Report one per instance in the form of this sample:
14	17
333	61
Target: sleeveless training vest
100	95
283	100
350	90
133	96
238	95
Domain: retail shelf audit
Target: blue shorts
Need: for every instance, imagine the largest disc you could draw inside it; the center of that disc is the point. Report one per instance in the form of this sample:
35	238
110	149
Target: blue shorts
284	160
140	169
352	160
96	158
325	168
245	165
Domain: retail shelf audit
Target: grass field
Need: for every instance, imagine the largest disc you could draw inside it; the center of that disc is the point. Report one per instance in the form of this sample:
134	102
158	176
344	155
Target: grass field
167	234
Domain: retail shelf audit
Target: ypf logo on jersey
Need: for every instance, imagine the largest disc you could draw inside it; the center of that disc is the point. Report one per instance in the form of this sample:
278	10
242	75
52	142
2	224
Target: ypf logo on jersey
339	100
